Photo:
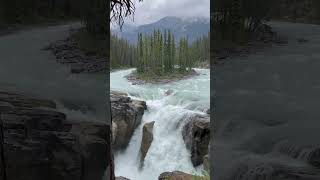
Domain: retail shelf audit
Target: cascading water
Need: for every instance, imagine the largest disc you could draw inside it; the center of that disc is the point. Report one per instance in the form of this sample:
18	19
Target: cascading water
170	112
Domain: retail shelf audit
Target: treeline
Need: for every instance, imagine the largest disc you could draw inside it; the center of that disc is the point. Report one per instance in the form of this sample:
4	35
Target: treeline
122	53
237	19
93	13
298	10
159	53
200	49
30	11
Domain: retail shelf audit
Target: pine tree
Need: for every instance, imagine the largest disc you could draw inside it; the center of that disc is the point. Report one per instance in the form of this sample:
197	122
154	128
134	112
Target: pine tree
173	52
181	57
161	53
141	54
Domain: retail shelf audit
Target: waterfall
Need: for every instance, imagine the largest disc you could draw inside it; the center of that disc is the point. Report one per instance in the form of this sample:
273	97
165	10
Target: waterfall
170	112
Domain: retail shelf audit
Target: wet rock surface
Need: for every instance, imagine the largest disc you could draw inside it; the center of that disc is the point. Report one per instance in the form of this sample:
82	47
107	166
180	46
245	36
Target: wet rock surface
176	175
68	52
126	116
39	142
147	138
196	135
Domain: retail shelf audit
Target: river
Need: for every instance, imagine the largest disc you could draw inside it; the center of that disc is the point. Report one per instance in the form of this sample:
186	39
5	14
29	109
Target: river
170	113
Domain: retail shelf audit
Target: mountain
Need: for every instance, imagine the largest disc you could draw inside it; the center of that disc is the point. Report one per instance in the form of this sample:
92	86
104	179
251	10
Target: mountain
192	28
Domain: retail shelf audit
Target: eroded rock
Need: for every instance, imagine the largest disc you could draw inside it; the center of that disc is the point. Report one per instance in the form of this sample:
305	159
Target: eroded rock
176	175
126	115
196	135
147	138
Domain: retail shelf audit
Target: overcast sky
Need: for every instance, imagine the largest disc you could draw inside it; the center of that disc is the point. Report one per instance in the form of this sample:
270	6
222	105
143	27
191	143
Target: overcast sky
150	11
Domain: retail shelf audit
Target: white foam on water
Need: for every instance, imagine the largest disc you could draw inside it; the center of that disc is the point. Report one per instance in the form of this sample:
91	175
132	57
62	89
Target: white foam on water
167	151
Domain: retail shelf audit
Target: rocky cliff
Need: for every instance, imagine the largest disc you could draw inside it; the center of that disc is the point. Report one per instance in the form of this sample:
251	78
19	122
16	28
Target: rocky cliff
126	116
39	142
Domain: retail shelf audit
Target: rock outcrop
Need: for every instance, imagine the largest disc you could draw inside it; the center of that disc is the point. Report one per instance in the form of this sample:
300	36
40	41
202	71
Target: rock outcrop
206	163
176	175
126	116
147	138
38	142
121	178
68	52
196	135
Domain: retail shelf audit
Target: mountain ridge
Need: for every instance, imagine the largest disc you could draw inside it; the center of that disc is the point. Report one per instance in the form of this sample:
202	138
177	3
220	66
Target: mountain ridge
192	28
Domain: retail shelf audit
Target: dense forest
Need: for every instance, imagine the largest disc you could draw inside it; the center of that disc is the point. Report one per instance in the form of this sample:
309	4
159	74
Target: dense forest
159	53
122	53
239	20
92	13
156	52
32	11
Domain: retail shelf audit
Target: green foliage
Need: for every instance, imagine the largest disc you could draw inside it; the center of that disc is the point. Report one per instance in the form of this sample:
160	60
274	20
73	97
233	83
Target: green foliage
200	49
156	52
159	54
122	54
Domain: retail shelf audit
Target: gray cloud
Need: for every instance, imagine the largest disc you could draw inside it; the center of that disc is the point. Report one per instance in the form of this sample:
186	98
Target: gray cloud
150	11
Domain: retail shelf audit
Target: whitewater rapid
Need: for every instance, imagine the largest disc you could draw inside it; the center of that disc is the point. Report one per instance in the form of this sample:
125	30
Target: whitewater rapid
170	113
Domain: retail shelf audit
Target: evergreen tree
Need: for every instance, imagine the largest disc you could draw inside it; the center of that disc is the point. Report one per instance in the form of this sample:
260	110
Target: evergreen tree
158	54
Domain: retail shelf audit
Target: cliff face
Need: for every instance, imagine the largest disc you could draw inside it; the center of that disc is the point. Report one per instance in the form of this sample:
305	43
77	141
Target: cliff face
38	142
196	135
126	117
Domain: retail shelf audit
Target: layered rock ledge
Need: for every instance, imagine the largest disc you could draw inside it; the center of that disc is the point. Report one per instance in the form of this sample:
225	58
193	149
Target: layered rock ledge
126	117
68	52
39	142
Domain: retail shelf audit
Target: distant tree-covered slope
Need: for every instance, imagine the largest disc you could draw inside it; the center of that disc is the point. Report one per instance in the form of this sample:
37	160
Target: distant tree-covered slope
193	28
